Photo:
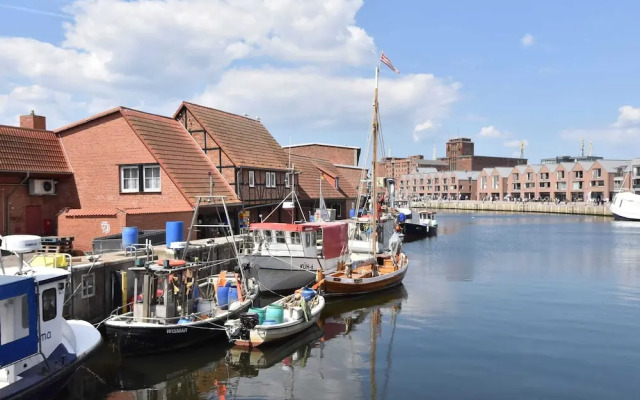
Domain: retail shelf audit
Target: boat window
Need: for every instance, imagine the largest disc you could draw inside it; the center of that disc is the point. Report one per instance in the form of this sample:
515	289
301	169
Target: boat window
267	236
10	310
88	285
49	304
280	237
295	238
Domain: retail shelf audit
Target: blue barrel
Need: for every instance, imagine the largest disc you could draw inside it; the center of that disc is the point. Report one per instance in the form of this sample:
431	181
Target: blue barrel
401	217
352	213
129	236
308	294
274	312
261	314
223	296
233	294
174	232
183	321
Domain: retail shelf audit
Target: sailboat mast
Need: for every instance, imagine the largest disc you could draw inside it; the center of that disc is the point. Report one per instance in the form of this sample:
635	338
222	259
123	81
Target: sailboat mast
374	194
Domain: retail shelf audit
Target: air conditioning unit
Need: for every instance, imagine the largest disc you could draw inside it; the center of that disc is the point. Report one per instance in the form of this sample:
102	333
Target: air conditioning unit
42	187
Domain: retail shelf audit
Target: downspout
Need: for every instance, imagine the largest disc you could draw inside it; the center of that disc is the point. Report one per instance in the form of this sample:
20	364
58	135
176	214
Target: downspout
8	202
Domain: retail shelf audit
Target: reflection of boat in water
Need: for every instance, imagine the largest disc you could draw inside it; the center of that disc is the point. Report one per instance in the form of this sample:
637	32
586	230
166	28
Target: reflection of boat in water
248	361
339	317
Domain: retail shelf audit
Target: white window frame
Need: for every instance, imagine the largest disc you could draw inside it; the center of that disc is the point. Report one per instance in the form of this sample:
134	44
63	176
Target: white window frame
287	179
270	180
337	183
146	168
88	290
252	179
137	179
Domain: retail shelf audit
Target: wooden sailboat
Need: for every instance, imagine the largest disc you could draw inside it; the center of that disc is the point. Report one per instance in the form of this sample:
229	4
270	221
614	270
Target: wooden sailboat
359	273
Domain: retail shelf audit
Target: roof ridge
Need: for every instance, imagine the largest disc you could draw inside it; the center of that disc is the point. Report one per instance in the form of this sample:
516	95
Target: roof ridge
146	112
223	111
26	129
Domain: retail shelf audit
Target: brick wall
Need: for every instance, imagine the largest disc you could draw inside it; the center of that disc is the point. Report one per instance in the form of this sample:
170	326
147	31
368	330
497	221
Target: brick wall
159	221
96	150
50	206
85	229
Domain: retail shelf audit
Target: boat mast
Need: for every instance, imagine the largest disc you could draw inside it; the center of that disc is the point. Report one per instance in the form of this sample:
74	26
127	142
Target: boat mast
374	194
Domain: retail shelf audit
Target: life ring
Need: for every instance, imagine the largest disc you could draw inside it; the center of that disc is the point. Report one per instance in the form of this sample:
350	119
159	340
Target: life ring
172	263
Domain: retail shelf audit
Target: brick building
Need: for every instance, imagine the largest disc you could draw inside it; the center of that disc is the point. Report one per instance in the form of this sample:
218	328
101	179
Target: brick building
244	152
132	168
395	167
35	178
429	183
461	157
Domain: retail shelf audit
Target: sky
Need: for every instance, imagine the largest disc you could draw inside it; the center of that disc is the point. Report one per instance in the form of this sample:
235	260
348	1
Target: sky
547	73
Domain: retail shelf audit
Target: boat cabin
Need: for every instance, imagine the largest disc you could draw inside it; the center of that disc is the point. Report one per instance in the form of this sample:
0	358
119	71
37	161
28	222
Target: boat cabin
164	292
324	240
427	216
31	328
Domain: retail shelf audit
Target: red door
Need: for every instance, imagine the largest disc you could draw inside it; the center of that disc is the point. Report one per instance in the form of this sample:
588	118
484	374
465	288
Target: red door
34	220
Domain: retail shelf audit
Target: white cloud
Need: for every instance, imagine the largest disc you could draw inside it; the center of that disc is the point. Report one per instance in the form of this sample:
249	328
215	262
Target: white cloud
425	129
491	132
295	64
527	40
621	136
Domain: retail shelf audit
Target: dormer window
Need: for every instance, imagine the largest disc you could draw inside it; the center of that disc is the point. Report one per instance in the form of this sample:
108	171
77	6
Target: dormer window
337	185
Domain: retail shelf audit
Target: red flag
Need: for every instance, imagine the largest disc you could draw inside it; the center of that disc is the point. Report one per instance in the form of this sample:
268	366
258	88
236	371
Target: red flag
387	62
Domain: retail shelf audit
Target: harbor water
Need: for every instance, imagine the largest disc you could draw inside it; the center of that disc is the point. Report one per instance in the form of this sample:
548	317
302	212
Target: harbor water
497	306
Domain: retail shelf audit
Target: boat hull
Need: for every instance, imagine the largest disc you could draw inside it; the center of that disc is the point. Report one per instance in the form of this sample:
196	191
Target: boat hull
415	231
144	338
342	286
626	207
277	274
33	386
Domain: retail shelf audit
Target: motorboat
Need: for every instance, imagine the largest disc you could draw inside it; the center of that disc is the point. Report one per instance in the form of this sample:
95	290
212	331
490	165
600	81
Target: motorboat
626	206
39	349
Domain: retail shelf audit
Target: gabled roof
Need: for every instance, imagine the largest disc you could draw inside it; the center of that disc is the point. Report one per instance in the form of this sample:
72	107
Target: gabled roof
612	165
308	180
175	150
244	140
322	144
344	185
535	167
521	168
486	171
586	164
462	175
568	166
504	171
31	150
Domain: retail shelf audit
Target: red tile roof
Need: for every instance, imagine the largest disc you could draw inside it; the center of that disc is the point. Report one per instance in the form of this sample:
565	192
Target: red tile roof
179	155
176	152
245	141
29	150
309	180
91	212
344	185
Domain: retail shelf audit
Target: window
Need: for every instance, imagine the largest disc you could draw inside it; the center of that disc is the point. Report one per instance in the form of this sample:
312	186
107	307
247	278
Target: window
483	182
495	182
560	175
280	237
151	178
88	285
17	305
295	238
252	178
129	179
267	235
337	185
139	178
578	174
516	176
529	176
270	179
49	304
596	173
287	179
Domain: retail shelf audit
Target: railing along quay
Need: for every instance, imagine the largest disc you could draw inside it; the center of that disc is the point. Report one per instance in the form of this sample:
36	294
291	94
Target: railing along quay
507	206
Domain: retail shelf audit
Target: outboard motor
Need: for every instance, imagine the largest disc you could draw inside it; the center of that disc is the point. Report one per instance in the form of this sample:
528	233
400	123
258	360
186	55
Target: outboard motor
248	321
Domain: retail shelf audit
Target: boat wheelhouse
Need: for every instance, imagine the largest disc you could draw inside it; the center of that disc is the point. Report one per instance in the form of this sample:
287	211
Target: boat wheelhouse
284	256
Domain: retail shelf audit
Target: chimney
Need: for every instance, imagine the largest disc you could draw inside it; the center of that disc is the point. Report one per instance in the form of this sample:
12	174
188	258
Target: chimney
33	121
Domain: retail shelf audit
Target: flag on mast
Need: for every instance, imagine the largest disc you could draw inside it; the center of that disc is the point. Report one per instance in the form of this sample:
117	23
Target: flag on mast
387	62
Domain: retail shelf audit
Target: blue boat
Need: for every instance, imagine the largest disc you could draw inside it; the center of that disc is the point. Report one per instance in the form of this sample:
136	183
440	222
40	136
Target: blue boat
39	349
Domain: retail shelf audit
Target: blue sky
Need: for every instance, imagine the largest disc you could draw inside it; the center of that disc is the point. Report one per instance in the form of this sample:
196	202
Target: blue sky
500	72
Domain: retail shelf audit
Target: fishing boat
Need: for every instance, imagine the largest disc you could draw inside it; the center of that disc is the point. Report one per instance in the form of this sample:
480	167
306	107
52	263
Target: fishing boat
173	310
287	256
417	225
39	349
361	273
282	319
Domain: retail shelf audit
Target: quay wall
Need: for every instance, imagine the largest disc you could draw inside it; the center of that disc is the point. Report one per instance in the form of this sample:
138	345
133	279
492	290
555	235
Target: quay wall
531	207
95	288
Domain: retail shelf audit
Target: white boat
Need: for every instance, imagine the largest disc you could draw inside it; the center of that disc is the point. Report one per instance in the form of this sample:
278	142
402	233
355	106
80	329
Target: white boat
626	206
287	256
299	311
39	349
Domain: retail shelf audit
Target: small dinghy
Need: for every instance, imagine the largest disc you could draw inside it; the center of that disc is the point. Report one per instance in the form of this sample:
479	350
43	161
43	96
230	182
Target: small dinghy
279	320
